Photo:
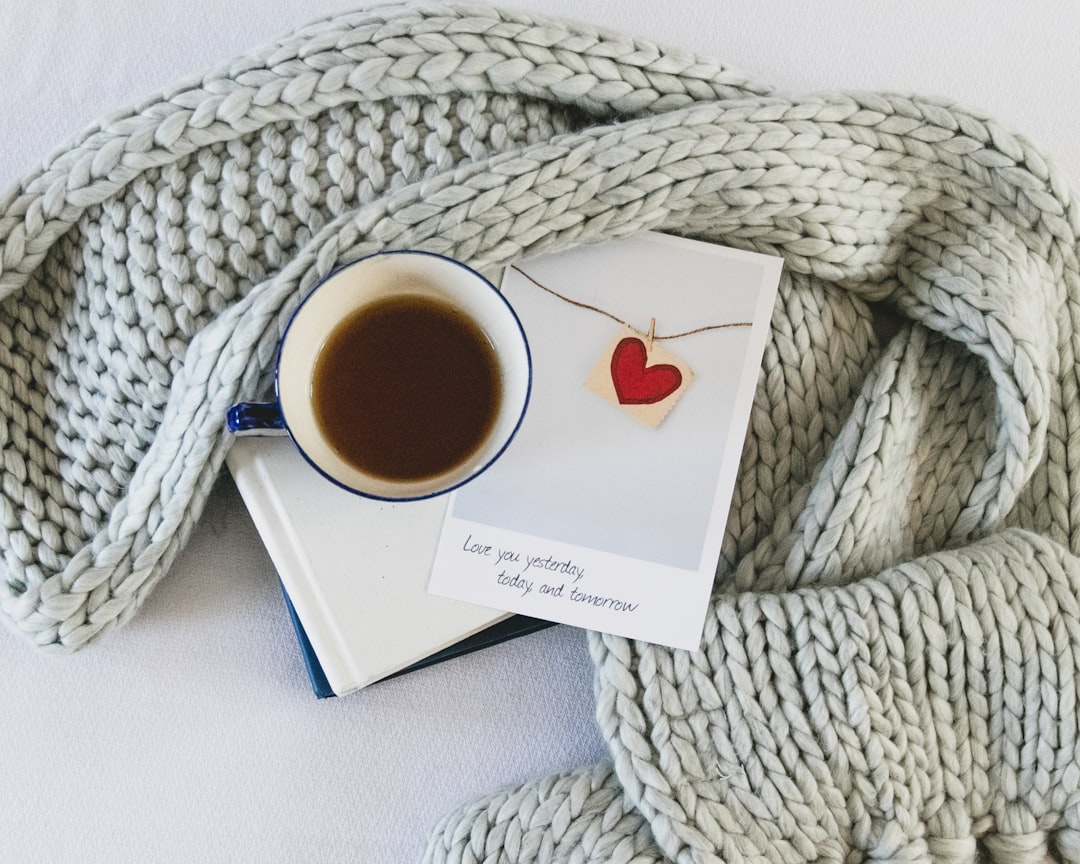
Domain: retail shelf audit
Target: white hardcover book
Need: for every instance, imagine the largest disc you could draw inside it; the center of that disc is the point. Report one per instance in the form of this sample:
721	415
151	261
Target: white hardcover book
355	569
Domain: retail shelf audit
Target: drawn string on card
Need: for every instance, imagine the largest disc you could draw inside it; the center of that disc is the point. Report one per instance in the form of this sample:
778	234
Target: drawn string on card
633	372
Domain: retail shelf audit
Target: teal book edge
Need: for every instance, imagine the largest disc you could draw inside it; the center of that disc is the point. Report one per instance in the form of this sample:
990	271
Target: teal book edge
501	631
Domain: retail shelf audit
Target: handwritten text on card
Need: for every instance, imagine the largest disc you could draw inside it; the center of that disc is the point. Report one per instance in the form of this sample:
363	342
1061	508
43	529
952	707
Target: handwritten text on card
525	573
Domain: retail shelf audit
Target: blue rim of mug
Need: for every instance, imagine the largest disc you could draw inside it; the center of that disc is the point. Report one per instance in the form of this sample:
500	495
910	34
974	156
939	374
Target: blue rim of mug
494	457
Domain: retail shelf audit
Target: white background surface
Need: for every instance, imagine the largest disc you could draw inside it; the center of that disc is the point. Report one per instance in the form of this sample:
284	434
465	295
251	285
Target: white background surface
191	735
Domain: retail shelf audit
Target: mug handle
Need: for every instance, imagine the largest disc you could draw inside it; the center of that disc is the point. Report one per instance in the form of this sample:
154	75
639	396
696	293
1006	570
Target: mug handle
256	418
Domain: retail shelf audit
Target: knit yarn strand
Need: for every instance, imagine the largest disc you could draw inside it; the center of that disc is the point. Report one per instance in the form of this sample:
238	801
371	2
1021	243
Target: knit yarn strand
890	661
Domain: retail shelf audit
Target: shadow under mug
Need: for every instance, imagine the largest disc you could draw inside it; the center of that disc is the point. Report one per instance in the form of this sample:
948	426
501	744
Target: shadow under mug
349	290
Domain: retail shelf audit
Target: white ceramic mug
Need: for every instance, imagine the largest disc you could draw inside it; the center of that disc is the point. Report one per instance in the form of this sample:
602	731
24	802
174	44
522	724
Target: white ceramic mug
347	291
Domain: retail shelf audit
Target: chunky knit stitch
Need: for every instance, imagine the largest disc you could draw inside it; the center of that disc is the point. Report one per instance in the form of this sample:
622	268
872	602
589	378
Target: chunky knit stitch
890	664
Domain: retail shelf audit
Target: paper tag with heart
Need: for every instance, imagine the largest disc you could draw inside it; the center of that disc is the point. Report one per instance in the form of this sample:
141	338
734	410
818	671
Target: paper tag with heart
643	381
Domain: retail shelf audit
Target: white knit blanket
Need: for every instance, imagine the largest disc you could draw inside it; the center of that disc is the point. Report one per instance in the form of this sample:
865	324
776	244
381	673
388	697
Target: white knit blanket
890	665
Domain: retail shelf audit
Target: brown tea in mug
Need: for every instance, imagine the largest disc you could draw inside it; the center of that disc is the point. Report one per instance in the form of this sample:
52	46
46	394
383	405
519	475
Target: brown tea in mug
406	388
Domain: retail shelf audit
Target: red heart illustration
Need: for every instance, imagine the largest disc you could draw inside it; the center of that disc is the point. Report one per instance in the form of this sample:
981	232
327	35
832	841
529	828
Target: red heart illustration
638	384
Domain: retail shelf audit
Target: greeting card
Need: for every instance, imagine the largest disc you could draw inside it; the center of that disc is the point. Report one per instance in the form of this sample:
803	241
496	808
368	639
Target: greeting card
608	509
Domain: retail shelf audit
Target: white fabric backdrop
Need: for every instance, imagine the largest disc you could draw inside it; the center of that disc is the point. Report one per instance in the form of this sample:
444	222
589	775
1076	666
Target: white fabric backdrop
192	735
